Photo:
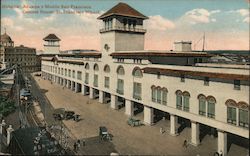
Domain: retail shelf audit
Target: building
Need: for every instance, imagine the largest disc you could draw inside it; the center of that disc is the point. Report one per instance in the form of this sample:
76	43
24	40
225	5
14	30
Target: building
23	56
51	45
157	83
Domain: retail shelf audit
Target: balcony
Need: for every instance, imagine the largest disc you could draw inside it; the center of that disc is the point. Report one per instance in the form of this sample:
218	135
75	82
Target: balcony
137	96
106	85
126	29
95	84
119	91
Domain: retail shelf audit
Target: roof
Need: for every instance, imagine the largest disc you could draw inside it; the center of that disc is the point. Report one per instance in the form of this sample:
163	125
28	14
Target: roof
51	37
6	38
175	72
84	54
160	54
123	9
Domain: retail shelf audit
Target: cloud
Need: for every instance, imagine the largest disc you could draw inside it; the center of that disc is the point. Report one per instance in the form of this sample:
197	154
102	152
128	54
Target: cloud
199	15
30	30
7	22
243	12
246	20
158	22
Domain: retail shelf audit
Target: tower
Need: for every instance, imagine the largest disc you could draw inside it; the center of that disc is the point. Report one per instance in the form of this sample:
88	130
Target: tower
122	29
6	40
51	45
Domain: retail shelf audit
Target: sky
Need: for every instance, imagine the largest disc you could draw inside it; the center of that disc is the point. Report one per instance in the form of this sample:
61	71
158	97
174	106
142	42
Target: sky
224	22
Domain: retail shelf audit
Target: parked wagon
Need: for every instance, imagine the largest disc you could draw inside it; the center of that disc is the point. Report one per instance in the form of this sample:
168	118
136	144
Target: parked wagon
103	133
134	122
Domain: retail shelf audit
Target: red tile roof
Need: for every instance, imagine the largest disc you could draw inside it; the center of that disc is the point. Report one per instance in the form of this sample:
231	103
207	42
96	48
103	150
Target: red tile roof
123	9
160	54
173	72
51	37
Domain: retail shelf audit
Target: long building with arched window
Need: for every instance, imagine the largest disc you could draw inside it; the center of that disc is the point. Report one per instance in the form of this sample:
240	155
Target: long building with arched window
174	83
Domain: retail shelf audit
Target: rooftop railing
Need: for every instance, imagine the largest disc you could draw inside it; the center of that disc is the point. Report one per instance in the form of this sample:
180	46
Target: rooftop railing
129	29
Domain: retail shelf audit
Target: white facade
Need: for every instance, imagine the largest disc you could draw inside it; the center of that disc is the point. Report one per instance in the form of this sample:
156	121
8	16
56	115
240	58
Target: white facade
220	86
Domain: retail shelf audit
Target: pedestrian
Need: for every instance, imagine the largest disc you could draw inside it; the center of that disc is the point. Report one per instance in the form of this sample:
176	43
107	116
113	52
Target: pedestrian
161	130
75	147
185	143
83	143
78	144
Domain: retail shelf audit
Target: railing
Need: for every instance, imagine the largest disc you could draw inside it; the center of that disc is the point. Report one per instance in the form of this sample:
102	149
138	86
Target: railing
211	115
231	121
137	96
186	109
179	106
202	113
123	29
119	91
95	84
106	85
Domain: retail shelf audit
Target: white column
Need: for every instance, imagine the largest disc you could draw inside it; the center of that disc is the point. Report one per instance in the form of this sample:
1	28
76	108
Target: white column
113	104
9	131
1	126
68	84
222	142
101	96
129	108
173	125
76	87
83	90
148	115
195	133
72	85
91	93
64	82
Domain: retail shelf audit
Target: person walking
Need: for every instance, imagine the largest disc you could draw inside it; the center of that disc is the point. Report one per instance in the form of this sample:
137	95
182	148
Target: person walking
185	144
75	147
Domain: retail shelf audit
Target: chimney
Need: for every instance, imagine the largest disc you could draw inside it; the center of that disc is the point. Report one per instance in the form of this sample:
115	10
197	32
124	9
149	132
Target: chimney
183	46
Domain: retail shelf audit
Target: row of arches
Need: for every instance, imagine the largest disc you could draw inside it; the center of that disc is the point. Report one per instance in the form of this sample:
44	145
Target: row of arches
137	72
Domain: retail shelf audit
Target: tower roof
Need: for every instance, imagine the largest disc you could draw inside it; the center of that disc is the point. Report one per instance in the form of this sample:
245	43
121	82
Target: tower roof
6	38
123	9
51	37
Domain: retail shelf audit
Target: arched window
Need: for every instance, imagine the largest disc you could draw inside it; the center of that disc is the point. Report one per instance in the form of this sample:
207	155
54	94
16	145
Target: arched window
137	72
178	99
186	97
120	70
243	114
153	91
87	66
158	97
164	96
96	68
211	106
106	69
202	104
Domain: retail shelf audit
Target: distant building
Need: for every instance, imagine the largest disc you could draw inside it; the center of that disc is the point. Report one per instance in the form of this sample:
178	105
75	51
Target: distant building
22	56
77	51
